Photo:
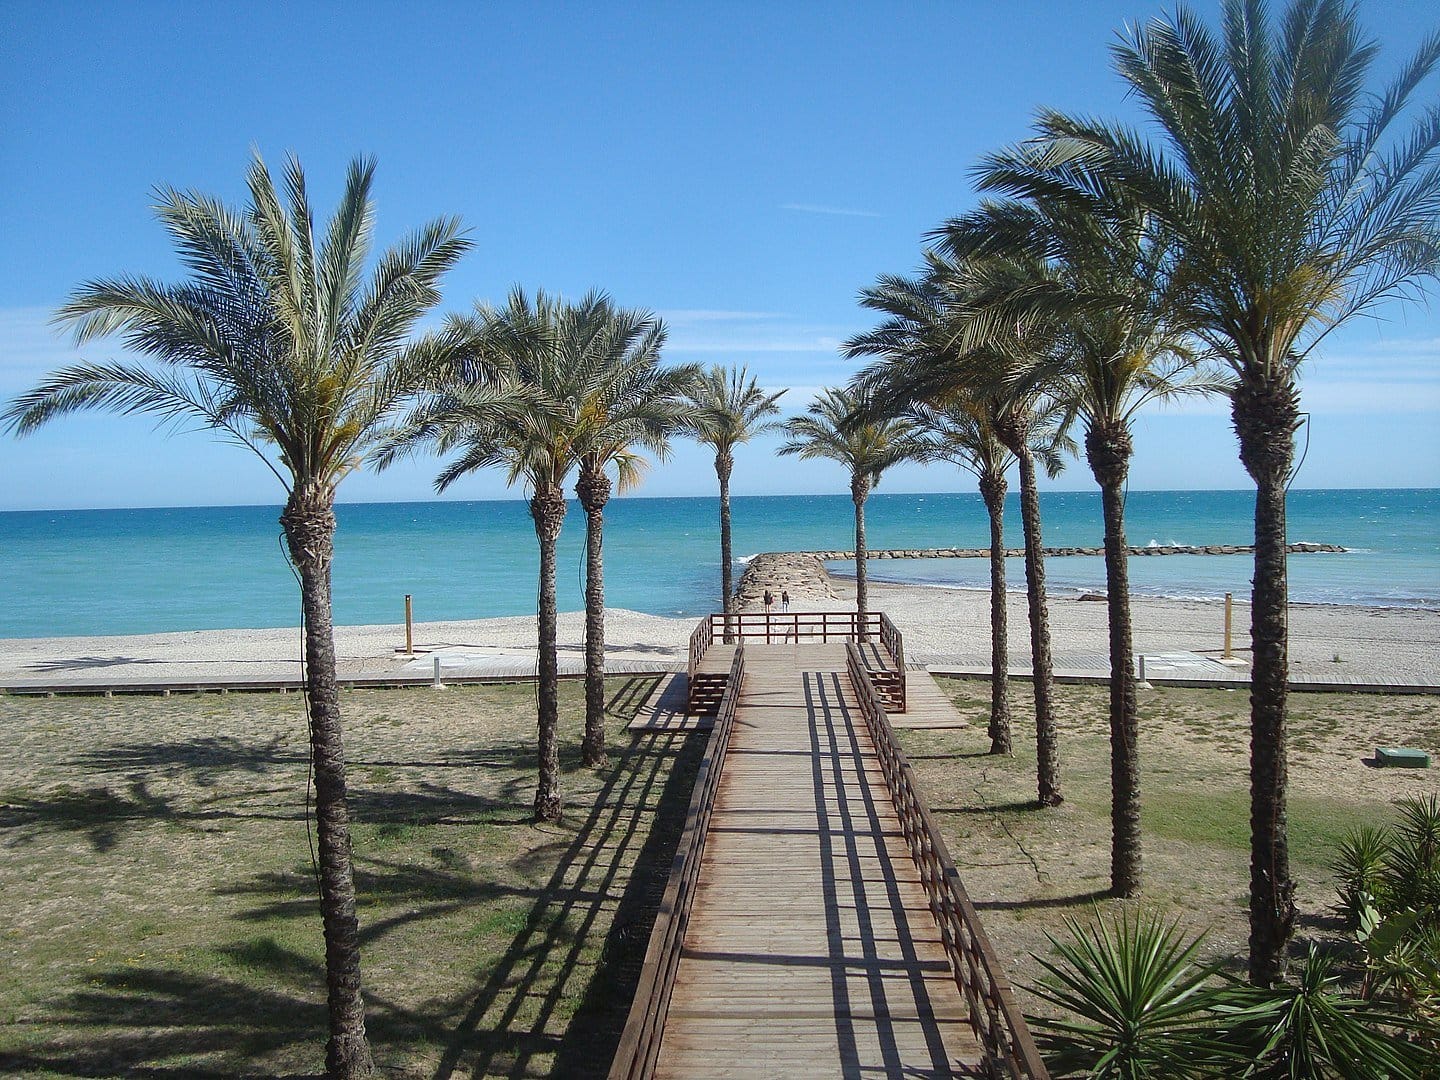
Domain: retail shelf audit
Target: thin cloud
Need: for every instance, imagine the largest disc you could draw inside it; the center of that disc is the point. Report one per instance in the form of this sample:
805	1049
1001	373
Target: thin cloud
837	211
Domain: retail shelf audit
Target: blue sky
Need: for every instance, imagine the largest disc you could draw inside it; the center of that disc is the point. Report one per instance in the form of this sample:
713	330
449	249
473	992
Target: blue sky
743	169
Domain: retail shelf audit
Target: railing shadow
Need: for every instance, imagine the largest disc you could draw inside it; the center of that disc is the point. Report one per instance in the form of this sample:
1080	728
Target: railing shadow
505	1023
861	821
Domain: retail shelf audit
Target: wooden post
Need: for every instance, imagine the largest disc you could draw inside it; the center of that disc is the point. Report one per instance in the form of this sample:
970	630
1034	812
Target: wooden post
409	628
1228	600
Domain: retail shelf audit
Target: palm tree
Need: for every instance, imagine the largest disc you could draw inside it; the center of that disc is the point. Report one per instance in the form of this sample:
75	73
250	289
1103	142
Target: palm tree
959	431
731	409
1098	273
838	427
1295	202
625	398
1023	419
509	401
281	345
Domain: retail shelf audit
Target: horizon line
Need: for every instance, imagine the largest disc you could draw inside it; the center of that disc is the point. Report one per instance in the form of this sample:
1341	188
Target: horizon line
571	498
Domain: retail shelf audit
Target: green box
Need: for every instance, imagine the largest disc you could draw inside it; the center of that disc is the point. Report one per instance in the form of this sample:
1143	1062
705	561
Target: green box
1401	757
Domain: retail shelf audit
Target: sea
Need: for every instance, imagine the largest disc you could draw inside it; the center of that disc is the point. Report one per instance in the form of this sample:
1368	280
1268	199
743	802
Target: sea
102	572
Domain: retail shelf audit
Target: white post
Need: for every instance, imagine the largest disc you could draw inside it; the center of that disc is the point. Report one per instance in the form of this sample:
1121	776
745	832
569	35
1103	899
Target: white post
437	684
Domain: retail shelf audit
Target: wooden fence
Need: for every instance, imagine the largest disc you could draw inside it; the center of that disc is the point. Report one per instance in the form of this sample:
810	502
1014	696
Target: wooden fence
998	1023
640	1043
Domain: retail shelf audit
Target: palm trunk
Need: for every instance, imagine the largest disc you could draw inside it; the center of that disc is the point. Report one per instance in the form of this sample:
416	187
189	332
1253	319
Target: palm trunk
859	492
1266	414
724	463
992	490
1109	448
309	524
547	508
1047	743
593	488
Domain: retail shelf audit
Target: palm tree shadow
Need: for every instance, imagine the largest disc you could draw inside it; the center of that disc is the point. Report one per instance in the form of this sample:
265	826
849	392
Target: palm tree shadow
152	1022
509	1019
1044	902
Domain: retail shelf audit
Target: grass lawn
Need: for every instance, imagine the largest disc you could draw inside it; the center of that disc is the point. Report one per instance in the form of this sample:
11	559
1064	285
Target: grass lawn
159	913
1027	869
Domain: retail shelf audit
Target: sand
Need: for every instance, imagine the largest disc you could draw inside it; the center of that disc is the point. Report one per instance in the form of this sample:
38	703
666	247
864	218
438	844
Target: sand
944	628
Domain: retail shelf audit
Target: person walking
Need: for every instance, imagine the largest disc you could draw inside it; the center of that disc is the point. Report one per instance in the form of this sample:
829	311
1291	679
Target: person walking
769	601
784	599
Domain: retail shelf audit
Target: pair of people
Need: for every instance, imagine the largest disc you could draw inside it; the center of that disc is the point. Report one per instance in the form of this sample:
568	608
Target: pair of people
770	600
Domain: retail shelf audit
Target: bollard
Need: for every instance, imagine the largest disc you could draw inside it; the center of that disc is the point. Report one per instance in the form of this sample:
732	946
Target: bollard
409	629
1140	667
437	684
1228	602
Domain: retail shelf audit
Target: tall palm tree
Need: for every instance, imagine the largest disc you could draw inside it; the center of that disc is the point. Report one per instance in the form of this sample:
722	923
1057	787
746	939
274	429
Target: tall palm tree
624	399
837	426
280	344
1023	418
959	431
509	400
731	409
1099	274
1296	201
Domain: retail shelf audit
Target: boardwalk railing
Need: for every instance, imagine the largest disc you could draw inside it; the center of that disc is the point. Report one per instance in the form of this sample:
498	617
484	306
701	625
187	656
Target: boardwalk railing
700	641
776	628
640	1043
994	1015
762	628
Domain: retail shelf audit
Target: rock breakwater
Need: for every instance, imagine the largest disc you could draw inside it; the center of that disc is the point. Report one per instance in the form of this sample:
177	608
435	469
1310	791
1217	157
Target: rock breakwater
1053	552
801	573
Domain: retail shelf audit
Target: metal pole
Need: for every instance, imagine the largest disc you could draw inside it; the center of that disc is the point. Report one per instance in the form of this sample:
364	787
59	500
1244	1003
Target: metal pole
437	684
409	628
1140	665
1228	604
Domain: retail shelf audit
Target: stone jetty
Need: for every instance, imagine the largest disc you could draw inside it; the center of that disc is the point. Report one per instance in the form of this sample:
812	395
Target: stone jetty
1055	552
804	576
801	573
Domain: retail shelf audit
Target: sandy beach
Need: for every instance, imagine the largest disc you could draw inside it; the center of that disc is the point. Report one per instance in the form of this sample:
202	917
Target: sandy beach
944	628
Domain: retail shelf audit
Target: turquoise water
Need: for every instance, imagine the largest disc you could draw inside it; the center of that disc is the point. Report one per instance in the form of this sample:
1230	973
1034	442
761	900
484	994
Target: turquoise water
143	571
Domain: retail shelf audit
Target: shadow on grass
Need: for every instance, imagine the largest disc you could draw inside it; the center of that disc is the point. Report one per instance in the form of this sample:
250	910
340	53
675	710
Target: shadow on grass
102	815
513	1016
1042	903
98	814
204	760
144	1022
626	700
1019	806
554	992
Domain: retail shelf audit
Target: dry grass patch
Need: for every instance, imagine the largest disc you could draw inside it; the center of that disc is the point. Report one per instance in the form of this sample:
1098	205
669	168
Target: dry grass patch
159	913
1026	868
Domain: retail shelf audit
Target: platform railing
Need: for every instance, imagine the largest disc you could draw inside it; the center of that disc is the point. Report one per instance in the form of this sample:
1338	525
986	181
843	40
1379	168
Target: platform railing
645	1026
701	639
775	628
994	1015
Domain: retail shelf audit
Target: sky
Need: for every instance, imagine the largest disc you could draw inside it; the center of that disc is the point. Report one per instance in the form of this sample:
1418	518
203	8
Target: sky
742	169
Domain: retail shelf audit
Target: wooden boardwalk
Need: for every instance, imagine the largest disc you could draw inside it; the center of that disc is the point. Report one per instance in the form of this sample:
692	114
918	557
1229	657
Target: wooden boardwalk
810	949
